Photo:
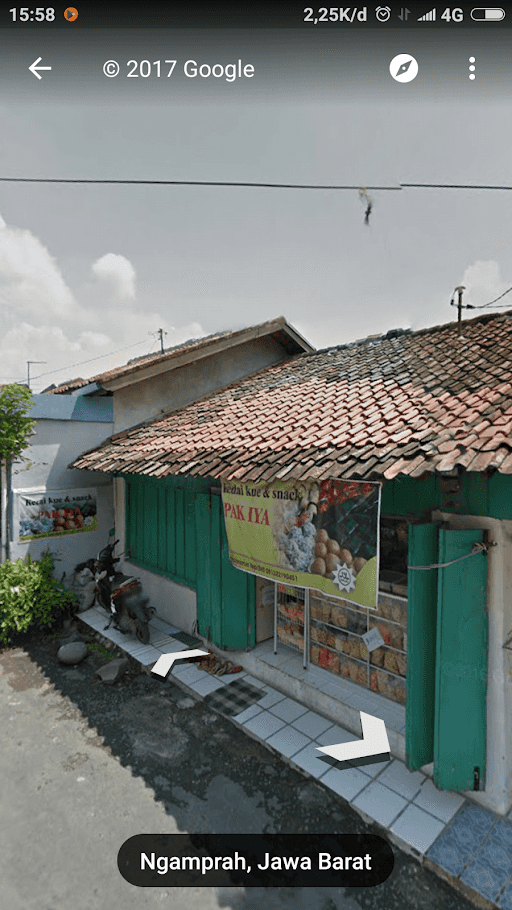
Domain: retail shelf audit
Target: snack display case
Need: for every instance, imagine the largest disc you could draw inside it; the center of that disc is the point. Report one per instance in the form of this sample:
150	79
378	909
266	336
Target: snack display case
328	632
291	613
337	644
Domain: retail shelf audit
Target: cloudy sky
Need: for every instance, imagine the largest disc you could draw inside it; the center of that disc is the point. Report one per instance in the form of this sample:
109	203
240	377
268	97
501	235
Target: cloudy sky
89	273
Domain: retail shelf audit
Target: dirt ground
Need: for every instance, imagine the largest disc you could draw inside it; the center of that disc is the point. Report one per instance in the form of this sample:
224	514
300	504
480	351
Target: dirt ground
84	766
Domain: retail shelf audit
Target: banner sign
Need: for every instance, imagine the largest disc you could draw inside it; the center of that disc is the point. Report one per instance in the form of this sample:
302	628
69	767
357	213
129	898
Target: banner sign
47	513
323	536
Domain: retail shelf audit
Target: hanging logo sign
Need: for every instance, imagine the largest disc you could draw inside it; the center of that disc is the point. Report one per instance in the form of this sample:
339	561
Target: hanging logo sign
54	513
307	534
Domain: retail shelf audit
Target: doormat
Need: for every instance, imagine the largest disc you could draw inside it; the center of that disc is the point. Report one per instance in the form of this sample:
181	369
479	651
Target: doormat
234	698
186	639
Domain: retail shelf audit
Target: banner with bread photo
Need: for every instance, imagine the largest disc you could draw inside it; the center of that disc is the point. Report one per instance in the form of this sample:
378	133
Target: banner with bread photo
309	534
53	513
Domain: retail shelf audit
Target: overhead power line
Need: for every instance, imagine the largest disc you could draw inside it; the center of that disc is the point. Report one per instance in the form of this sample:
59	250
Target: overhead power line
271	186
482	306
82	362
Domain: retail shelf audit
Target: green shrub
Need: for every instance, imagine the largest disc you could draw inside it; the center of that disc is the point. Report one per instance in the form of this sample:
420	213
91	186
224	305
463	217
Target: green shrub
29	596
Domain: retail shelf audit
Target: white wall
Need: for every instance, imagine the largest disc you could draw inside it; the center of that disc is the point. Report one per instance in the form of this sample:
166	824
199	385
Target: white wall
55	444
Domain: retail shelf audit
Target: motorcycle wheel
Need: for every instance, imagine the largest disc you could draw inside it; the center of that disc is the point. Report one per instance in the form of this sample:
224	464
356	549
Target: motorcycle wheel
142	633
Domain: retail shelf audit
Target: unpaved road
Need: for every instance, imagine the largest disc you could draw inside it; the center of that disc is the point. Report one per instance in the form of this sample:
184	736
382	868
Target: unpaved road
84	766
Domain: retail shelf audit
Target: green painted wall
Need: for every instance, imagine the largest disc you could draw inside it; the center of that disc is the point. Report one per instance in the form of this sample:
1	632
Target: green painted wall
478	495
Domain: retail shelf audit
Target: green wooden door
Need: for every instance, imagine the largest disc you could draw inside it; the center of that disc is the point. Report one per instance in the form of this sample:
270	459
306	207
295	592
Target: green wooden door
225	595
421	645
447	658
461	665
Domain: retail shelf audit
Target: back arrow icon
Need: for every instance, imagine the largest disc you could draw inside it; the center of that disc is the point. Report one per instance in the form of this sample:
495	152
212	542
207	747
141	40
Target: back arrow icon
34	67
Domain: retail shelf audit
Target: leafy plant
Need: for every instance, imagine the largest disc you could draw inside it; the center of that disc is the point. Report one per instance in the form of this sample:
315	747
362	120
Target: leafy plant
101	649
15	426
29	596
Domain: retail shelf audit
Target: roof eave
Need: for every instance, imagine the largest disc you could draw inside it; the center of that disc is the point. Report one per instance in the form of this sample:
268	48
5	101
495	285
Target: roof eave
139	372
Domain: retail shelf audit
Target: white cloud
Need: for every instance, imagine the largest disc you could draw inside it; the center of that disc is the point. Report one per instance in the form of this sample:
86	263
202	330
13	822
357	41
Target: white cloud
42	320
118	271
95	340
483	283
31	282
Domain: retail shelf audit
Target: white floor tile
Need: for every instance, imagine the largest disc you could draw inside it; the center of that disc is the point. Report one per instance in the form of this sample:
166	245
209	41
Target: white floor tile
205	686
442	804
347	782
374	769
312	724
288	710
417	828
91	617
298	672
271	698
309	760
230	677
334	690
170	646
393	719
398	778
126	641
264	725
146	656
188	673
255	682
249	712
163	625
276	660
288	741
335	735
379	803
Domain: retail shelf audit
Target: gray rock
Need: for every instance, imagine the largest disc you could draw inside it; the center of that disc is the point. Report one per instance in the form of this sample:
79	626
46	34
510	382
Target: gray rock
72	653
113	671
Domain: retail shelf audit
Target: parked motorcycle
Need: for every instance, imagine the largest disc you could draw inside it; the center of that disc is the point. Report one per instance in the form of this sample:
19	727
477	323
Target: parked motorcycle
120	595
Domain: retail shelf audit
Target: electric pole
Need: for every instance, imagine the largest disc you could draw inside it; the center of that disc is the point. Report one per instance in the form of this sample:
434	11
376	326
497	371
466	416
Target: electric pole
28	368
161	333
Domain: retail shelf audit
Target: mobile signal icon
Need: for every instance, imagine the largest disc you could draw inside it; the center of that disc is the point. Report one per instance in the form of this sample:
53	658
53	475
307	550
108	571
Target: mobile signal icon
428	17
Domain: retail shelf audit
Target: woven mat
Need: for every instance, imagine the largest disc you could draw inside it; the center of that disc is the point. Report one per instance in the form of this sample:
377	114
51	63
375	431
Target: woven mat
234	698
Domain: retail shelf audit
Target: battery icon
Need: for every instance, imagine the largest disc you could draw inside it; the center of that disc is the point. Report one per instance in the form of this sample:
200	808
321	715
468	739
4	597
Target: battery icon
487	14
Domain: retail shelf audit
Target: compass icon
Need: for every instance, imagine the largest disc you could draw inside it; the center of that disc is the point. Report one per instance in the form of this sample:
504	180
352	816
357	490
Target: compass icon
404	68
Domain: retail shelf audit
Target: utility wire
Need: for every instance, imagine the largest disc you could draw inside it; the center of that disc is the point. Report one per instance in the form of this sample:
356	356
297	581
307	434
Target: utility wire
484	305
471	306
82	362
273	186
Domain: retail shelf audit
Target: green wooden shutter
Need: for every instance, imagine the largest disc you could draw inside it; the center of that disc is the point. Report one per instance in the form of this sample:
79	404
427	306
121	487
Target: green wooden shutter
225	595
238	598
421	646
207	623
461	671
446	718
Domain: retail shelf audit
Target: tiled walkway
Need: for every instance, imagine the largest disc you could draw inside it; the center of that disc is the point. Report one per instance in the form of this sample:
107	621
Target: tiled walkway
469	844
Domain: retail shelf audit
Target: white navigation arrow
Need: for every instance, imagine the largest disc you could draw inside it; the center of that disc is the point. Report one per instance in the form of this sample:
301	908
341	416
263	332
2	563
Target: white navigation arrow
165	662
374	742
34	67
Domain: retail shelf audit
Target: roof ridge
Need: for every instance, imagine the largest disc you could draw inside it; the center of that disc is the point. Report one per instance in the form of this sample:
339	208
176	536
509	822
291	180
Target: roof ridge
399	332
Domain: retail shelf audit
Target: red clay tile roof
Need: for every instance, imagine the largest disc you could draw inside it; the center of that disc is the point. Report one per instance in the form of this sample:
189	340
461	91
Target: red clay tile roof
403	403
279	327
